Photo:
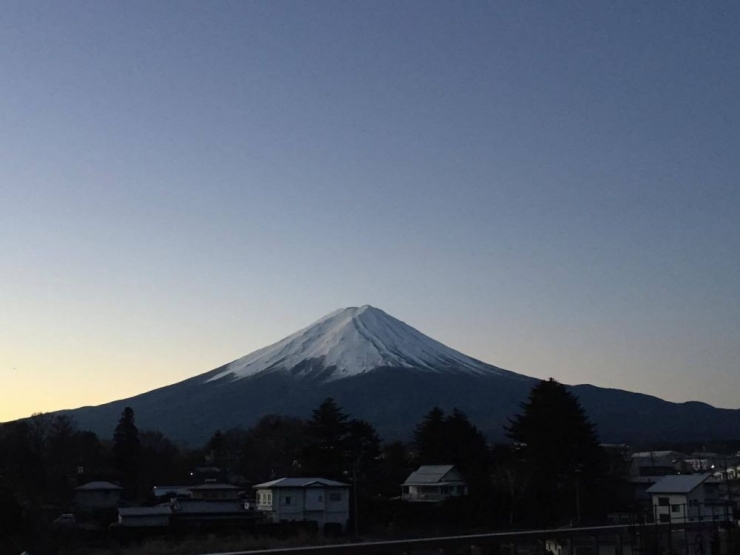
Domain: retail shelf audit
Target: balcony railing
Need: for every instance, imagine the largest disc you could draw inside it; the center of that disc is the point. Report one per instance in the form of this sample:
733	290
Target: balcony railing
425	496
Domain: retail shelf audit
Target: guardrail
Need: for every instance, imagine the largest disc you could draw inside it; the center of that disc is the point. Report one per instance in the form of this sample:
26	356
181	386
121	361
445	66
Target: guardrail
451	544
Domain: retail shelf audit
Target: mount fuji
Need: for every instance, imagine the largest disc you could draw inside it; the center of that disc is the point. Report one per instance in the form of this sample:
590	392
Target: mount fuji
351	342
385	371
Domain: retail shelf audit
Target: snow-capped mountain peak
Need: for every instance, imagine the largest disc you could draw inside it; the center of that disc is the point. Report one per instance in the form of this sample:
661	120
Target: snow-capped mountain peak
353	341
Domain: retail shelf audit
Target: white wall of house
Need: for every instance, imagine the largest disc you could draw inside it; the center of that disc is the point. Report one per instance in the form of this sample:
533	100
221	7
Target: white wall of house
672	507
317	503
701	503
433	492
584	546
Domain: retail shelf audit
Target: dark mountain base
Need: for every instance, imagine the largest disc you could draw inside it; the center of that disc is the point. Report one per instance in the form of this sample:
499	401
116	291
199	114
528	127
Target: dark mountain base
395	400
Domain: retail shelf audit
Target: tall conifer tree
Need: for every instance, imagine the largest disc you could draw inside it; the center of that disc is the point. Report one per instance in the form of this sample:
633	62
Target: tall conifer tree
560	450
127	450
429	439
327	434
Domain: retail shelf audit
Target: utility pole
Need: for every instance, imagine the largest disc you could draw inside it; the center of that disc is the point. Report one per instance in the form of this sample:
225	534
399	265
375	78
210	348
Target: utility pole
354	495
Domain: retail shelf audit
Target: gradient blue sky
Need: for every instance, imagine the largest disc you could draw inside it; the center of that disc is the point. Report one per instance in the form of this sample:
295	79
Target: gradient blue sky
551	187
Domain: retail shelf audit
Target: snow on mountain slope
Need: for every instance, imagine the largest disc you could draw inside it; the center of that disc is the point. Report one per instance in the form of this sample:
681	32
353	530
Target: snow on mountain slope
353	341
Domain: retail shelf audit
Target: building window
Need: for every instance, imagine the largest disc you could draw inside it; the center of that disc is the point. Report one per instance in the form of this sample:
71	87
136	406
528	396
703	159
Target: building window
321	498
663	501
675	508
288	500
665	518
335	497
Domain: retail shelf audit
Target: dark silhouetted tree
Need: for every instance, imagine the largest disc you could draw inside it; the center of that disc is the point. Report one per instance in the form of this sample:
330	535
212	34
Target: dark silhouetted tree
326	434
127	450
273	448
161	462
510	480
11	512
91	456
453	439
216	451
22	459
339	448
429	439
468	451
395	465
61	449
559	448
363	450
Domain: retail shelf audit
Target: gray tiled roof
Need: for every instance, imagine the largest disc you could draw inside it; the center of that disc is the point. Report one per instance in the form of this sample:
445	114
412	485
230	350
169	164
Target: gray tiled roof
429	474
214	487
93	486
145	511
681	483
300	483
197	507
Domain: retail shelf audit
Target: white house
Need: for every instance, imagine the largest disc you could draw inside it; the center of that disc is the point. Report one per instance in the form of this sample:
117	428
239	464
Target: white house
688	498
433	482
315	499
98	495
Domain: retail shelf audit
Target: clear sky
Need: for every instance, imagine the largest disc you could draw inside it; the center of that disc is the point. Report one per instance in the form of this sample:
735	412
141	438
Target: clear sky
551	187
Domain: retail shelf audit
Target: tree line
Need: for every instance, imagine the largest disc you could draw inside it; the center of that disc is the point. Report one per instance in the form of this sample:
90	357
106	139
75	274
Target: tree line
552	471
